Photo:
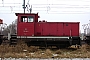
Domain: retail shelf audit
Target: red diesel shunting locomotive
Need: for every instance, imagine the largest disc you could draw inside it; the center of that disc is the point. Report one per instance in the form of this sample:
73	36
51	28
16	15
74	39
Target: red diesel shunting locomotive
45	33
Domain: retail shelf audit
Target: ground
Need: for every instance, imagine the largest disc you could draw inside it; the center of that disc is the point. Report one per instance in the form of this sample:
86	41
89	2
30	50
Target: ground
21	50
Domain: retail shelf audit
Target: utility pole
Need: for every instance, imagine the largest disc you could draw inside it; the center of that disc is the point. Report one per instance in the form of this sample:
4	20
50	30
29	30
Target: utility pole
24	5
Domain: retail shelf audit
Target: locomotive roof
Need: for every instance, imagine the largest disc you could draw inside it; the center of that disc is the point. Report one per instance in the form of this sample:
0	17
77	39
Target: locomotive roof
25	14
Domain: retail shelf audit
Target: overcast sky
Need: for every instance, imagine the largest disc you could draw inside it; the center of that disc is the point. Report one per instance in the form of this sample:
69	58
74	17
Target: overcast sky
50	10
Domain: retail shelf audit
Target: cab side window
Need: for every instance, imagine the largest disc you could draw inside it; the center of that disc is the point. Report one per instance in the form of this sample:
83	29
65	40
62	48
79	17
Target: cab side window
23	18
30	19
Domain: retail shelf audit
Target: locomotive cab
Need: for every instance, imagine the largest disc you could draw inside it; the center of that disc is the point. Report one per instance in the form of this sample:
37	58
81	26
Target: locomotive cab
25	23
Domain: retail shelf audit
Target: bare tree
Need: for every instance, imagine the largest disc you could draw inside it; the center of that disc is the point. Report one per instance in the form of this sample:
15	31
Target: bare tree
10	29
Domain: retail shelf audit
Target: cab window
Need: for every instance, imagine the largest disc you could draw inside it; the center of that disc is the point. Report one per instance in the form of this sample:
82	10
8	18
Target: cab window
27	19
30	19
23	18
